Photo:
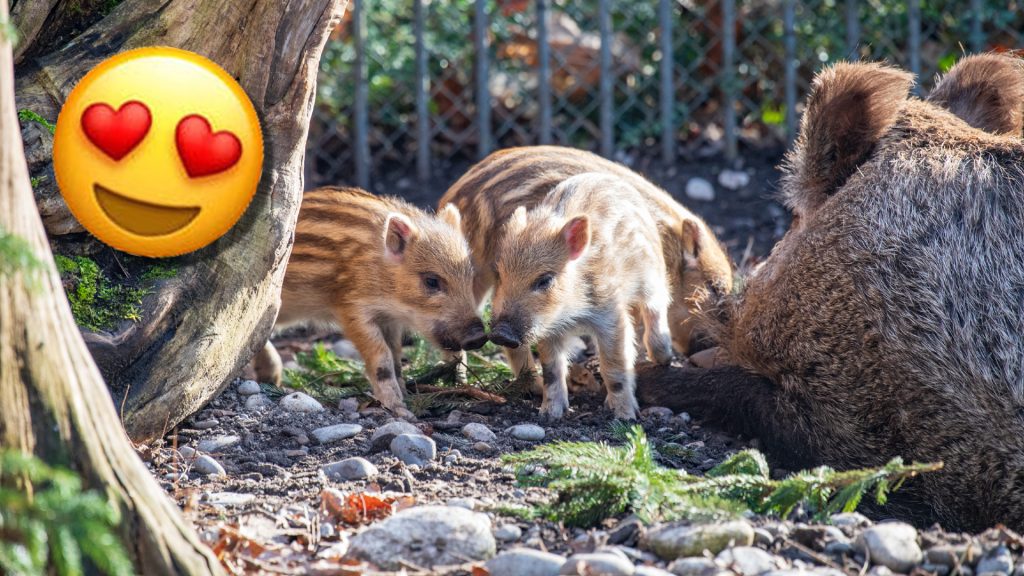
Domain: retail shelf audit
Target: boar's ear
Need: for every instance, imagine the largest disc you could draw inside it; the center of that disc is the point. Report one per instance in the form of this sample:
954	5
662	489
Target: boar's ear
850	107
398	232
450	214
576	233
986	91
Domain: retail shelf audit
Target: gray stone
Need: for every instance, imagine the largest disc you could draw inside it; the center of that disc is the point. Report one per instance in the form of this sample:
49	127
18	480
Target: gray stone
657	413
229	499
300	402
524	562
346	349
763	537
650	571
850	520
891	544
188	452
602	563
733	179
483	447
205	466
467	503
684	418
349	469
529	432
951	555
219	443
248	388
348	405
257	401
478	432
205	424
452	457
747	560
693	566
997	559
425	536
414	449
508	533
382	436
937	569
673	542
700	189
838	548
329	434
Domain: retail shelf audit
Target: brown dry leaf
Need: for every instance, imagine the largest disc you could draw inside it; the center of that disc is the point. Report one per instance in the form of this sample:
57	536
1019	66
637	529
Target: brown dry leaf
364	507
480	571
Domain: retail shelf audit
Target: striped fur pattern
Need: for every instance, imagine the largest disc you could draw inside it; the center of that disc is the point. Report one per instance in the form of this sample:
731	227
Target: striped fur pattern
376	266
698	269
580	262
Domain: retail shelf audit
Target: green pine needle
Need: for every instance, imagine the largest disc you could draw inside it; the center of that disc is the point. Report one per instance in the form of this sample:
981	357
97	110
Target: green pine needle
593	481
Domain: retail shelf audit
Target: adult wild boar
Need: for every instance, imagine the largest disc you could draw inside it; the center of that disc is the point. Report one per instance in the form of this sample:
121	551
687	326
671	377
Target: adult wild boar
890	319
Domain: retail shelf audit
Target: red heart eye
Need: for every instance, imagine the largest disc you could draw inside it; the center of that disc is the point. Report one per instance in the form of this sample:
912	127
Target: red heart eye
202	151
116	133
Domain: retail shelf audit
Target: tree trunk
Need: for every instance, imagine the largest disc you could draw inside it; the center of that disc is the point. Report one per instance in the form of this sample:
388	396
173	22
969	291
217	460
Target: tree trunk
52	399
201	327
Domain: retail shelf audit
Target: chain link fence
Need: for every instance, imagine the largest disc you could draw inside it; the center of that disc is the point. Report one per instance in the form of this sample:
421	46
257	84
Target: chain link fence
410	88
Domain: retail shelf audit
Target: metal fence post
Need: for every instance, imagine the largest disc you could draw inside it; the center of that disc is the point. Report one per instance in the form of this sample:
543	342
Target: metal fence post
422	86
483	90
977	36
362	97
668	100
789	39
852	30
914	22
604	17
728	76
544	70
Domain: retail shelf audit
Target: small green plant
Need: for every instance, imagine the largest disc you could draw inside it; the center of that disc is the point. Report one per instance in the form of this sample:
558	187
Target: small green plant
16	255
96	302
49	525
593	481
26	115
326	376
160	271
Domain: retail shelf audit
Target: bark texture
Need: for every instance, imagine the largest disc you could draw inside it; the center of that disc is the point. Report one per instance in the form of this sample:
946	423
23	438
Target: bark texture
53	401
201	327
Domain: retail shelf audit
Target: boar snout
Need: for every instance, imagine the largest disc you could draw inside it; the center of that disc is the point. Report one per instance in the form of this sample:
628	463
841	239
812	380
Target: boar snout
503	334
474	337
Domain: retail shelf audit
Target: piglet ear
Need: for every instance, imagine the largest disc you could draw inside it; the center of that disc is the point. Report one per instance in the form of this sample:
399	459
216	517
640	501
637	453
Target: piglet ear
398	233
576	233
450	214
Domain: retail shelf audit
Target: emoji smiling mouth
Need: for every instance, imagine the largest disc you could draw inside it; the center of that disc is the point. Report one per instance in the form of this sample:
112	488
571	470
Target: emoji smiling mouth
143	218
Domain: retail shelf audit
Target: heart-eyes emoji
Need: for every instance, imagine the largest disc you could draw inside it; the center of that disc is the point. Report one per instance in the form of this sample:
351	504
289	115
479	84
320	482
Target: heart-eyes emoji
158	151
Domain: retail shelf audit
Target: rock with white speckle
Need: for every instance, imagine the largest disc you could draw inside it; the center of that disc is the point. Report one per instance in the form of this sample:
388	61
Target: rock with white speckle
300	402
349	469
337	432
528	432
891	544
248	388
414	449
478	432
258	402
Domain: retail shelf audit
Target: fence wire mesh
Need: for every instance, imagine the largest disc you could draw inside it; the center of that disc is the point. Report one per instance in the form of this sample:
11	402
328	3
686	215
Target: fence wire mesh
407	88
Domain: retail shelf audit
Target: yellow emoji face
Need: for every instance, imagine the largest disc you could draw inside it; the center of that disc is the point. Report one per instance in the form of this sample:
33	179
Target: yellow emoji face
157	151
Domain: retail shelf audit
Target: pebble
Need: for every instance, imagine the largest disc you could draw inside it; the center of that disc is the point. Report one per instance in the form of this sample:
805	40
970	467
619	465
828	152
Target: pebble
700	189
763	537
508	533
205	424
176	476
229	499
346	349
483	447
467	503
850	520
602	563
478	432
355	468
348	405
529	432
219	443
891	544
257	401
693	566
300	402
997	559
329	434
382	436
733	179
414	449
673	542
684	418
425	536
452	457
248	388
626	530
936	569
188	452
524	562
951	554
658	413
747	560
650	571
205	466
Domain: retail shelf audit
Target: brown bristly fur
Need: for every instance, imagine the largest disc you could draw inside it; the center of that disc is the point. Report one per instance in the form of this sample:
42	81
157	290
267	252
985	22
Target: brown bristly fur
888	322
581	262
377	266
488	194
986	91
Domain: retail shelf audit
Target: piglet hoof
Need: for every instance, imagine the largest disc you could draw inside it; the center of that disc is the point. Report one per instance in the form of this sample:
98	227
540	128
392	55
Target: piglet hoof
403	413
624	408
552	411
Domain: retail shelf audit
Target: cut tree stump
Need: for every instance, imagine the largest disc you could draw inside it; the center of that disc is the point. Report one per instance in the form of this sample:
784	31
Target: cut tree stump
201	327
53	402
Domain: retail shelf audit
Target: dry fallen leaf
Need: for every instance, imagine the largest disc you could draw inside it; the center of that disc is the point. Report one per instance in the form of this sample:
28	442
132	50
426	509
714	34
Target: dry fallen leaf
360	507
